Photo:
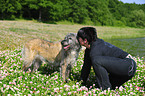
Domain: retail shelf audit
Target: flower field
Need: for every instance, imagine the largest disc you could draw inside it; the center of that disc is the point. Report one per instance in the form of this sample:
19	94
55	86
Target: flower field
47	81
15	82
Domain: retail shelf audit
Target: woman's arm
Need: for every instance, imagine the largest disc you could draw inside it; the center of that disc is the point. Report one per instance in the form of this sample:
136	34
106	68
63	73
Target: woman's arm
86	66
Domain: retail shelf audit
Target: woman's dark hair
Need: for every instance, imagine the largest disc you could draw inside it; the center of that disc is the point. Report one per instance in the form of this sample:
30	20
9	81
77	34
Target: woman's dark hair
88	33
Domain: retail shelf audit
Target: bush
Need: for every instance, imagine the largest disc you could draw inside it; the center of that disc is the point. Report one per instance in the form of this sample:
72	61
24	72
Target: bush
12	17
132	24
118	23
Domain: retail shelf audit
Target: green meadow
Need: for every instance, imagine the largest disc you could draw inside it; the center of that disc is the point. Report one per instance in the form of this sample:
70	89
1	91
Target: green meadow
14	81
14	34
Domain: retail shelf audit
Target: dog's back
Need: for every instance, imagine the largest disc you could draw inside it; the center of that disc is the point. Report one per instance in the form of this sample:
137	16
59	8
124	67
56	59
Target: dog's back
39	50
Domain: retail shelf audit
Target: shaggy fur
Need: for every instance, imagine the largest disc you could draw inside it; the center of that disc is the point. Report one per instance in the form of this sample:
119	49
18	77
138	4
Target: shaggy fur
61	54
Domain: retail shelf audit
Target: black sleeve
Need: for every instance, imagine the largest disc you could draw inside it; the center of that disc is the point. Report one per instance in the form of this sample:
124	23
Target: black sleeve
86	66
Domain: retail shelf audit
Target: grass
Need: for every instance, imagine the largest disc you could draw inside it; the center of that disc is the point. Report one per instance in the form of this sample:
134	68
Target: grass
14	81
14	34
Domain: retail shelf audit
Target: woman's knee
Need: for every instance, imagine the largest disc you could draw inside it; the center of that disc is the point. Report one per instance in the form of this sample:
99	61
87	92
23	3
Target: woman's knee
132	67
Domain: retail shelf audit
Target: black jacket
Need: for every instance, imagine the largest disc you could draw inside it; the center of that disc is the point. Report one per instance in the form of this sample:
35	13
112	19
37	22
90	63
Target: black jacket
99	48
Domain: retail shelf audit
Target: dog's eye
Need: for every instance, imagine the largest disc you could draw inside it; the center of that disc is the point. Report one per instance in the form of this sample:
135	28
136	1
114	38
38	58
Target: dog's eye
70	38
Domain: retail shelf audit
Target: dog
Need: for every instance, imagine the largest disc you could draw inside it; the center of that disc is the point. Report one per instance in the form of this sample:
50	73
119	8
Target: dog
62	54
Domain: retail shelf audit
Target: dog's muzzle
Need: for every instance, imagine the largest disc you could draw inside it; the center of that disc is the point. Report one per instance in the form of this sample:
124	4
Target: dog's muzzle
65	45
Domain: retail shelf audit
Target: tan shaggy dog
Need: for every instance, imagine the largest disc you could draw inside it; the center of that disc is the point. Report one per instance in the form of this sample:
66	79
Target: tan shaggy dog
61	54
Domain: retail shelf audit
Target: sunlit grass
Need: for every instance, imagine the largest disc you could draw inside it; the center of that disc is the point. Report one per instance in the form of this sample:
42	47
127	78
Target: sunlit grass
15	33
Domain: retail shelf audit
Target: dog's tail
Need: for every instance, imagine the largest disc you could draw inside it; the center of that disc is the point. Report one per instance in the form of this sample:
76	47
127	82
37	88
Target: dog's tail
27	57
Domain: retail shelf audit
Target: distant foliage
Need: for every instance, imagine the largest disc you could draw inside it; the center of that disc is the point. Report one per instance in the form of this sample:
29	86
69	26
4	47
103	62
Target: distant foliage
91	12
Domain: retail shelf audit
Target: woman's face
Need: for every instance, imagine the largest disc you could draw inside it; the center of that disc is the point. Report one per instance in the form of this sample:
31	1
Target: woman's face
83	42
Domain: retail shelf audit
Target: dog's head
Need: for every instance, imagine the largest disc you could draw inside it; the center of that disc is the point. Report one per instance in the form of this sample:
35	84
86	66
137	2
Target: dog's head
70	42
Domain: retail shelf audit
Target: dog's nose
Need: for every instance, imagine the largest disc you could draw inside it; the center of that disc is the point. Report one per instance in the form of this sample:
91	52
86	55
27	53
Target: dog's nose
62	42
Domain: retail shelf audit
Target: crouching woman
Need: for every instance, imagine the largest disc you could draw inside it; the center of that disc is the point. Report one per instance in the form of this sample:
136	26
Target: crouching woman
112	66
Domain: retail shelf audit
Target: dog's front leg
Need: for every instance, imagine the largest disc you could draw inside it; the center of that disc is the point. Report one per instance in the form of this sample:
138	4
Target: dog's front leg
68	70
63	70
60	71
60	67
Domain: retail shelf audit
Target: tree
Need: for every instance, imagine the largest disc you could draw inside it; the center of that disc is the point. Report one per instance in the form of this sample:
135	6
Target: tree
112	4
142	6
38	5
78	13
99	12
60	10
9	7
137	18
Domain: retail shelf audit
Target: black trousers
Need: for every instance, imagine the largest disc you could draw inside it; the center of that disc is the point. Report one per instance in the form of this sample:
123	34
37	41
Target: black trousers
112	72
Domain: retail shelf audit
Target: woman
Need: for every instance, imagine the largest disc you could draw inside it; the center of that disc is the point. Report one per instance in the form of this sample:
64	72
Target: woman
112	66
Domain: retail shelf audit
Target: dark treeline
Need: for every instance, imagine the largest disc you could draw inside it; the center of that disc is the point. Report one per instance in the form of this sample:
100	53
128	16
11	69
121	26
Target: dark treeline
94	12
